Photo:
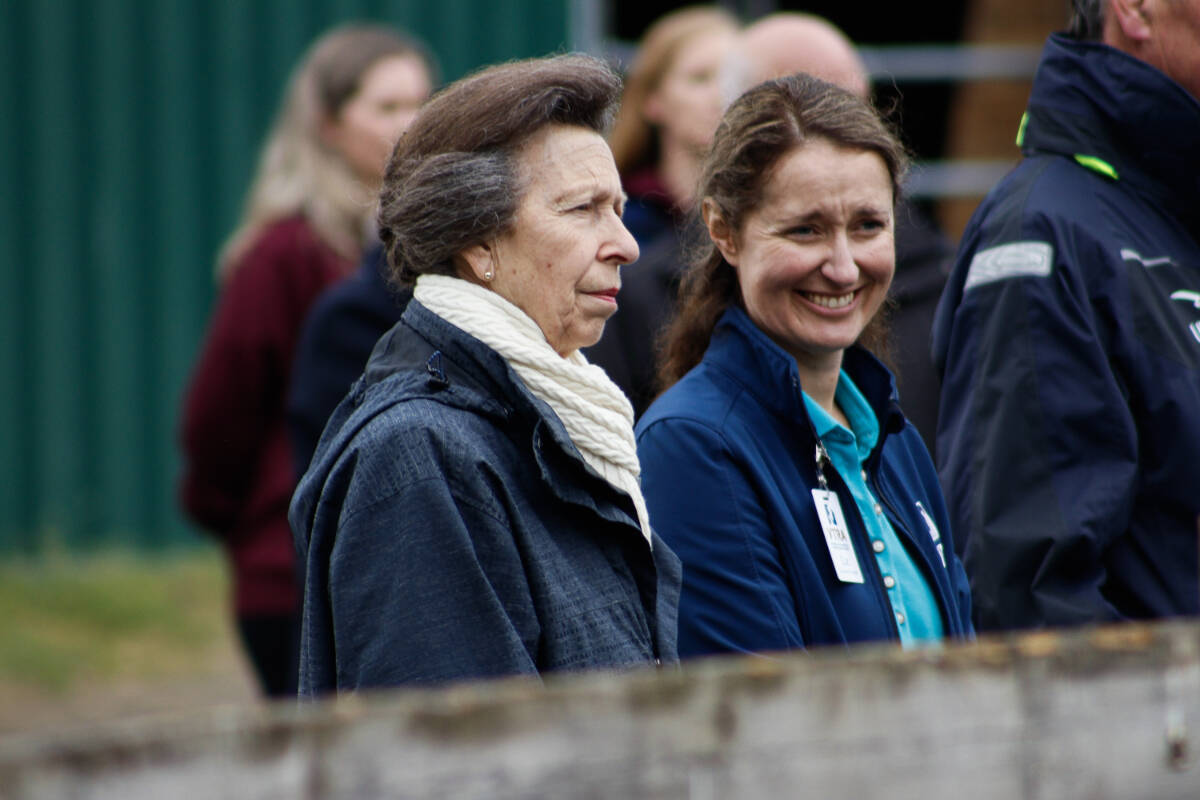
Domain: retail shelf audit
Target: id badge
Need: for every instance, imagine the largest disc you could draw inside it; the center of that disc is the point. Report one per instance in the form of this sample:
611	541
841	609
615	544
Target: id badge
837	536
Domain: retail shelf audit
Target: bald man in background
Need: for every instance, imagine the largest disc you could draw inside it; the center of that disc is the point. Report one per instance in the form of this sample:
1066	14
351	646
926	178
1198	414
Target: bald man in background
789	42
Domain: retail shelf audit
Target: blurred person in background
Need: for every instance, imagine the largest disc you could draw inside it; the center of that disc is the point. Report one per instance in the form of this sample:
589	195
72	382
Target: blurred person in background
307	218
1069	336
670	108
337	338
789	42
804	506
473	509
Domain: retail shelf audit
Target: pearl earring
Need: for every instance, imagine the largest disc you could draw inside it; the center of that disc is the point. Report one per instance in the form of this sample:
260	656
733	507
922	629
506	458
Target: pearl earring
487	276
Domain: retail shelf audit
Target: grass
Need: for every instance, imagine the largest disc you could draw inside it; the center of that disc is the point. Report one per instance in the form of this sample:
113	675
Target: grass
71	620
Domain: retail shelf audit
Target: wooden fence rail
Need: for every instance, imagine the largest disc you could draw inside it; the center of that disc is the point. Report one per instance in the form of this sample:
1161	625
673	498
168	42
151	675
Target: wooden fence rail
1098	713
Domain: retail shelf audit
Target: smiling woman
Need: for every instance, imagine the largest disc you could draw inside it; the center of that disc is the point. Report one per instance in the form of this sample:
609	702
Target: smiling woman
815	259
474	509
778	465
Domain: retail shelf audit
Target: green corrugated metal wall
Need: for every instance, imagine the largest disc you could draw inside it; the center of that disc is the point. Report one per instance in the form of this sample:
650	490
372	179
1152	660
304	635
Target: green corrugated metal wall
128	129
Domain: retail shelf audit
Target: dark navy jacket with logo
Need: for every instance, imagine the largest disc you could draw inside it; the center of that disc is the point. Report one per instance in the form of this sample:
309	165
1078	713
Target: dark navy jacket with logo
449	529
728	470
1069	338
337	339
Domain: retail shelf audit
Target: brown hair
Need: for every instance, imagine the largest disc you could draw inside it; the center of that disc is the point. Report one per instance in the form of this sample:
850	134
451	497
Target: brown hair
633	140
758	130
452	181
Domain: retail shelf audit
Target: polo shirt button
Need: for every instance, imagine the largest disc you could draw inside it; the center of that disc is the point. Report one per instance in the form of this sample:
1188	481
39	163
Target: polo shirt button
889	581
900	618
864	475
877	545
878	509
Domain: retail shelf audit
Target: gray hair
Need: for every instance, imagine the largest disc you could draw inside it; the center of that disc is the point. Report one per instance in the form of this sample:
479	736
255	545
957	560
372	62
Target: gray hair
1087	20
453	182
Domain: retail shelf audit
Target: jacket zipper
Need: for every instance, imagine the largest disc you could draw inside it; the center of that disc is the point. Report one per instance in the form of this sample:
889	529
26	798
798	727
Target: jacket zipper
863	537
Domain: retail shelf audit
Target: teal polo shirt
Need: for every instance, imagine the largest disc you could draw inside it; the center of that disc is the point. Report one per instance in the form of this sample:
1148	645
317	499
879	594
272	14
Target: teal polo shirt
918	617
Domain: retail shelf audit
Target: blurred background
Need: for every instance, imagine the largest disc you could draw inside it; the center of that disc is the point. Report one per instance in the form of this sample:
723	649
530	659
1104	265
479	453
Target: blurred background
128	132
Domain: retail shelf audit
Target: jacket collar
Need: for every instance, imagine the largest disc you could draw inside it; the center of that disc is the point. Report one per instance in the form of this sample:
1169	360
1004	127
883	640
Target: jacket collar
765	370
1092	100
447	359
443	361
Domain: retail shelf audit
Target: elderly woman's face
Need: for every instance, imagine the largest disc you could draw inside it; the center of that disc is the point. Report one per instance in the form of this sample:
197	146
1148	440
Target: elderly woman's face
815	260
560	262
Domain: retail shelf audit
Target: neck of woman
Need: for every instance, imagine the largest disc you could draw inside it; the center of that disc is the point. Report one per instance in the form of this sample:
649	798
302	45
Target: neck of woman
679	168
820	380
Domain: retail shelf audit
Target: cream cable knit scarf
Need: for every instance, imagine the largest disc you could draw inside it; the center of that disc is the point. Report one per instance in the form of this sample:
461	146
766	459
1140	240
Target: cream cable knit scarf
596	414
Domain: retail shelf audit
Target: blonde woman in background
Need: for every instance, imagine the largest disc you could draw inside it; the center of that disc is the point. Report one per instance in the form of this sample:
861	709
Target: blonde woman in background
307	218
671	105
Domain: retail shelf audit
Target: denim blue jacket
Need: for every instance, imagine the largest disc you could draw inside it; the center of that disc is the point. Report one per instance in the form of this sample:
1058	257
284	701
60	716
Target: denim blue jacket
449	529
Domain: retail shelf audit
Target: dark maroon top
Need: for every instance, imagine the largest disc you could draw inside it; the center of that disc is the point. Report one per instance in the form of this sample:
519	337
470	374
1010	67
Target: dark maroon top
238	475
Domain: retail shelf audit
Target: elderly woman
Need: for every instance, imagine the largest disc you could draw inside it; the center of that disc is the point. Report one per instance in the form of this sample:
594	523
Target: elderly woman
778	465
473	507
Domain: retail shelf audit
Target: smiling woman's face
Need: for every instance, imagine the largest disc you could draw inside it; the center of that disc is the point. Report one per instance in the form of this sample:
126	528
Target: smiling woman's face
816	258
560	263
